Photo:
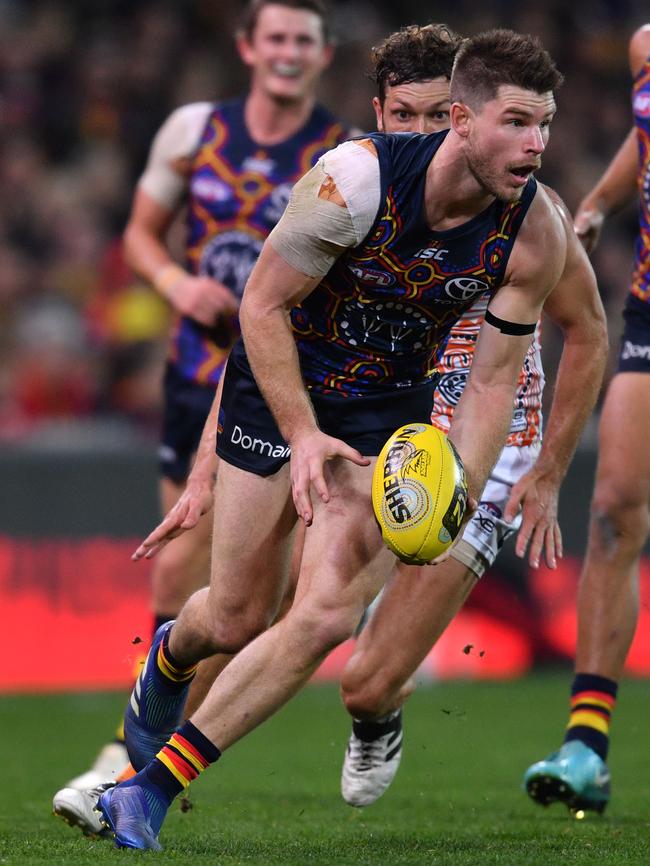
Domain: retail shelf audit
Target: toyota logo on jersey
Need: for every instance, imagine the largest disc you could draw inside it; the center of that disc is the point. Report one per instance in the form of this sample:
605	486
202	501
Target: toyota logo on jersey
465	288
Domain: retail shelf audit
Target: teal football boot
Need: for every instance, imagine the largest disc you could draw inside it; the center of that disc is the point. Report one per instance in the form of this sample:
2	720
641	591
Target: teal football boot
574	775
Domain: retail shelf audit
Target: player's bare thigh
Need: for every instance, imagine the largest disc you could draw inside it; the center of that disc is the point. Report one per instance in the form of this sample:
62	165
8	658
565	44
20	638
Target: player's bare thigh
253	527
344	562
623	473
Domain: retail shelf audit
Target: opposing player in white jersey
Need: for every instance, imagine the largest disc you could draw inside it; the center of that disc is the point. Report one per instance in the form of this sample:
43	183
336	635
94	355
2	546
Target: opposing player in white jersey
412	71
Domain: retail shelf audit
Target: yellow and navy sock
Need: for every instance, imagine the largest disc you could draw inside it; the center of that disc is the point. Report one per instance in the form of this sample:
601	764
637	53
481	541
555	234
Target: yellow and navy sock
593	699
180	761
176	676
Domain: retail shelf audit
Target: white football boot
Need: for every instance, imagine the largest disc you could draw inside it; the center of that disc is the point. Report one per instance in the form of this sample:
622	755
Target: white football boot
112	760
371	759
75	802
77	808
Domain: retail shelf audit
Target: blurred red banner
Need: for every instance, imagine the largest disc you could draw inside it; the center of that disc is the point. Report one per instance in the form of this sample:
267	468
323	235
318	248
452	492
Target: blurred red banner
76	616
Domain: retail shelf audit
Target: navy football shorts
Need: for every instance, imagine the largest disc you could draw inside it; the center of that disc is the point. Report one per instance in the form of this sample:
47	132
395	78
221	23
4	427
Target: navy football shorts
187	405
634	355
248	436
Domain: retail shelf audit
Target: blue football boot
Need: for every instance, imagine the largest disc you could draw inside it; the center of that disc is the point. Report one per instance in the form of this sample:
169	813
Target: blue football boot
155	708
133	815
574	775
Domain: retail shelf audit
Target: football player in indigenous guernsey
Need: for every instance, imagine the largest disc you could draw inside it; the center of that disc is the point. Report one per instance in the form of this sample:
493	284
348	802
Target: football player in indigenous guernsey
412	69
342	323
577	774
232	164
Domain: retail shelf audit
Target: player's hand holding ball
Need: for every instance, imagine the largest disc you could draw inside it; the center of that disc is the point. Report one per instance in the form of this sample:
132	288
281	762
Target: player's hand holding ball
419	493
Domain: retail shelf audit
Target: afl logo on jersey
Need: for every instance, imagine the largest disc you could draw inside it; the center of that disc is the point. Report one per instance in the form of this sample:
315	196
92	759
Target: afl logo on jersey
641	105
368	275
465	288
210	189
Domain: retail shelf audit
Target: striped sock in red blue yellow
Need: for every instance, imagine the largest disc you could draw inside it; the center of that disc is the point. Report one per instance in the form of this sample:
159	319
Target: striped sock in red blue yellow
593	699
170	668
185	755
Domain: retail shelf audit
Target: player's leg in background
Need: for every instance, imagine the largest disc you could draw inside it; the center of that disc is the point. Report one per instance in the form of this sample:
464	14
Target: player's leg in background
415	608
607	599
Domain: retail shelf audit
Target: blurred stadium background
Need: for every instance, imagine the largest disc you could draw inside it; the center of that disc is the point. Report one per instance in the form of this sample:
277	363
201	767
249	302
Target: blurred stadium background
83	88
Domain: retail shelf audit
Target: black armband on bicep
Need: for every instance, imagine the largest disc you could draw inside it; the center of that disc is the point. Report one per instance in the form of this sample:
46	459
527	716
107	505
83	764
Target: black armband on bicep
512	328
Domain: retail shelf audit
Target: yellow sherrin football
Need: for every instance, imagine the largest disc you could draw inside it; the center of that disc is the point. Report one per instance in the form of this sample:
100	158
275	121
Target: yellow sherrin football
419	493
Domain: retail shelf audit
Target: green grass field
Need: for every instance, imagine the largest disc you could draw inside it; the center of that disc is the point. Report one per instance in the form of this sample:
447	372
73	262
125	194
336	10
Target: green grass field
274	798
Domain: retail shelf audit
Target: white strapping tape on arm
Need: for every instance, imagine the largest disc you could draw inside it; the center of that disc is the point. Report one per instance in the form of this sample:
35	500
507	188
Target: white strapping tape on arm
177	138
313	231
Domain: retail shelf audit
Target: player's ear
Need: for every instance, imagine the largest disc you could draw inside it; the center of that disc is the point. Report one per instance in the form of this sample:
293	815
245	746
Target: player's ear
460	117
244	48
328	55
379	113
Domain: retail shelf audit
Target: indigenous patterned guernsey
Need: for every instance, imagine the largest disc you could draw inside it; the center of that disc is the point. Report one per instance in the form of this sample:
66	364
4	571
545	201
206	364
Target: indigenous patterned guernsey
641	109
381	316
238	192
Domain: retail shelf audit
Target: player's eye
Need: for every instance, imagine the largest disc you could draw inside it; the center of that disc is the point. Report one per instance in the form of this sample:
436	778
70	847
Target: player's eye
440	115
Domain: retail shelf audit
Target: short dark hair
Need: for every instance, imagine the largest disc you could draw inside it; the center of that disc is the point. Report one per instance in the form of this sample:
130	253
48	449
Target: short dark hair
487	61
252	13
414	53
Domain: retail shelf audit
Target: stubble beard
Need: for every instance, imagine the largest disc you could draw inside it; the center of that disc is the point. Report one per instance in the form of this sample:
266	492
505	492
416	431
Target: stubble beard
482	172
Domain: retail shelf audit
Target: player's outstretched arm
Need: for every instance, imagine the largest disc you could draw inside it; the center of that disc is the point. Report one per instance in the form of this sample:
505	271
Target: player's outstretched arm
196	499
483	415
575	307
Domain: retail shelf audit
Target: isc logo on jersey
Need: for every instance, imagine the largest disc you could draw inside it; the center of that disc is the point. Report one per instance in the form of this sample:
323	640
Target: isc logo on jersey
419	493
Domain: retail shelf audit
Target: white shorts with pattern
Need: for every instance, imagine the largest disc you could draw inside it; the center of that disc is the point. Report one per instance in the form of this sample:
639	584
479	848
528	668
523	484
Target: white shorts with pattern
487	530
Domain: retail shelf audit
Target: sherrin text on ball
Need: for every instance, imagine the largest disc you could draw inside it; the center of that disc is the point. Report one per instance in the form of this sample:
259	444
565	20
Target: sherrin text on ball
419	493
